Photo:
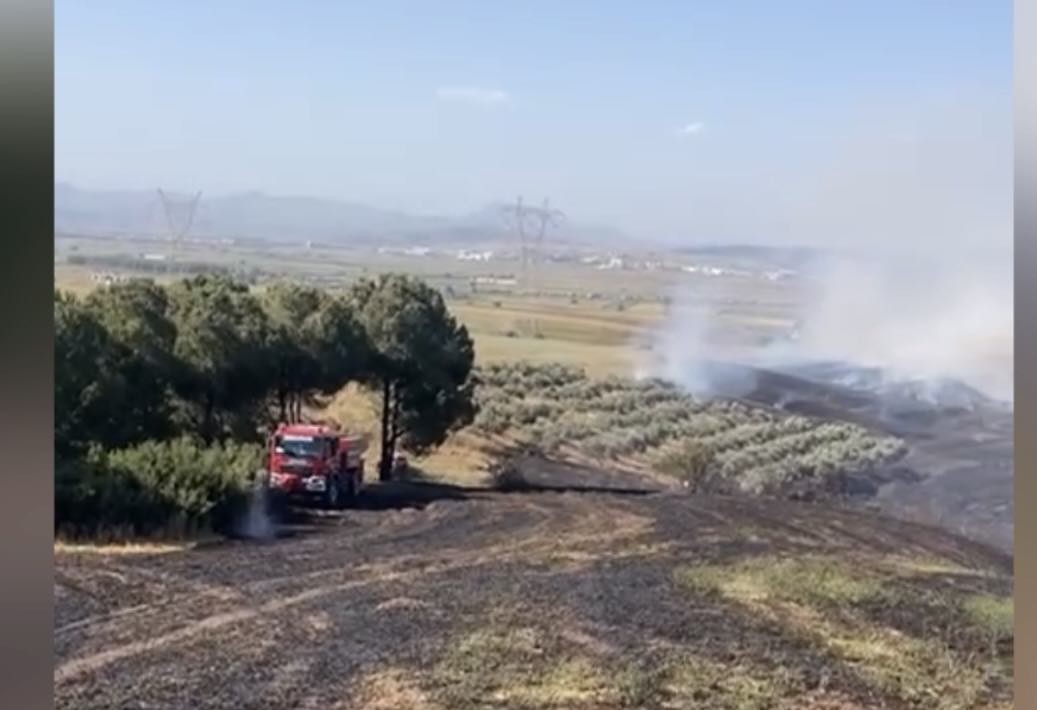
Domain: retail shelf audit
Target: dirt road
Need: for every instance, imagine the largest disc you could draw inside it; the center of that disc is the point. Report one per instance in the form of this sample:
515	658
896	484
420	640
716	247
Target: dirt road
433	596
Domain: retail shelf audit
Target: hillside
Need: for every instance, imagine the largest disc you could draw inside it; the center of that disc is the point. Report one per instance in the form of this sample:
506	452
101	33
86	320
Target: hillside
958	470
557	578
436	596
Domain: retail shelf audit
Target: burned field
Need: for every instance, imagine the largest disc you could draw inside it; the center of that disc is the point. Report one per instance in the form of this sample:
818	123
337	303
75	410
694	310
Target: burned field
441	597
958	467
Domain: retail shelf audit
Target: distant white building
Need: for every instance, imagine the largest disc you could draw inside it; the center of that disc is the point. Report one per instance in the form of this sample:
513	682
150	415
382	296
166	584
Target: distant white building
779	275
615	262
407	251
466	255
713	271
107	279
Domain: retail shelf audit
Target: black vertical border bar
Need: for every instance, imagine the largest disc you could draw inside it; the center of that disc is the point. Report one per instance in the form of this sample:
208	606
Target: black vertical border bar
27	337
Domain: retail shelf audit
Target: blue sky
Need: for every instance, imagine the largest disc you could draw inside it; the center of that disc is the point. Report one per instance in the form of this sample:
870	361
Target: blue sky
687	120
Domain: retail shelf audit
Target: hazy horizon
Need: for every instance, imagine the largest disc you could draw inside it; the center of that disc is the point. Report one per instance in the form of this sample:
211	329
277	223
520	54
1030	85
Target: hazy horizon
879	125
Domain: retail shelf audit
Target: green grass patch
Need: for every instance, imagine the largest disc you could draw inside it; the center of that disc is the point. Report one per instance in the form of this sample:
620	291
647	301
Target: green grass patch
994	618
809	581
515	667
698	682
909	636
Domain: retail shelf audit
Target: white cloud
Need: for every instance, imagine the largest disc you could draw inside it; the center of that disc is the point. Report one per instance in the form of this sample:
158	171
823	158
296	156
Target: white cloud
472	95
691	129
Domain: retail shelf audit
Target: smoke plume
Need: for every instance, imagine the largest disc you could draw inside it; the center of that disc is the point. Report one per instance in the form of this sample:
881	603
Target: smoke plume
913	210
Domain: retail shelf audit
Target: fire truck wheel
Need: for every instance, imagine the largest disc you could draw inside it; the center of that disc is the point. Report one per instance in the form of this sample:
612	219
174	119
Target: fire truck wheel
333	495
351	487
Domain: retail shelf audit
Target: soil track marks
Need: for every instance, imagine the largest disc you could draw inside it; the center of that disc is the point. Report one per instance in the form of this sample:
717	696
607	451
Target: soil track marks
379	605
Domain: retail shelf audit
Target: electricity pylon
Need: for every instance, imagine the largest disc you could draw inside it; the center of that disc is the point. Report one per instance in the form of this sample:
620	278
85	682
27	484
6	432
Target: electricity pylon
177	232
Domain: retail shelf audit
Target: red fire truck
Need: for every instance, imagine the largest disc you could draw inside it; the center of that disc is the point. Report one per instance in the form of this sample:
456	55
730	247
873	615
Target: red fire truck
315	462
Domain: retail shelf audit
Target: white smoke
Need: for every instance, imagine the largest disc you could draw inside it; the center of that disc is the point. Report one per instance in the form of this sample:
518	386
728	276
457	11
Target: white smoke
928	320
679	347
915	321
918	199
256	524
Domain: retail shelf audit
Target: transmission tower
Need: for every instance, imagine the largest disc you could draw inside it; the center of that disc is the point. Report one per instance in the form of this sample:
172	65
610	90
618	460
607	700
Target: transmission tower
515	218
544	218
177	232
531	225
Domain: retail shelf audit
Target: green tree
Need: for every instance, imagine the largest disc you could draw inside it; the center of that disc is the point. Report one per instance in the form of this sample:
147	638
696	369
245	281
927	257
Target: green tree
421	362
315	343
339	345
222	339
291	308
97	395
136	315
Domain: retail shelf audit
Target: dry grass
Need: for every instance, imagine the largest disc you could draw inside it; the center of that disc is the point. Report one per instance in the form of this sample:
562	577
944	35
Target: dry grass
603	341
597	359
73	279
556	321
121	548
110	539
391	689
462	460
355	409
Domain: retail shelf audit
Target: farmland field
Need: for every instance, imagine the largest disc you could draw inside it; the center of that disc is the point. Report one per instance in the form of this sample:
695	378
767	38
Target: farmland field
579	315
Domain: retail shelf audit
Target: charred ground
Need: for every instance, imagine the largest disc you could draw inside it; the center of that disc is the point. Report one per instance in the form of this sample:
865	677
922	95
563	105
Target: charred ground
958	471
442	596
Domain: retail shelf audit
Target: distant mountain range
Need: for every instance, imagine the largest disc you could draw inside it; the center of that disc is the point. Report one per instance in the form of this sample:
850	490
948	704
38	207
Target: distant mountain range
255	215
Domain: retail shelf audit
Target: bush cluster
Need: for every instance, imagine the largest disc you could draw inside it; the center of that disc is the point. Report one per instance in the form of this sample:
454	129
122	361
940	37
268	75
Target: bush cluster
180	486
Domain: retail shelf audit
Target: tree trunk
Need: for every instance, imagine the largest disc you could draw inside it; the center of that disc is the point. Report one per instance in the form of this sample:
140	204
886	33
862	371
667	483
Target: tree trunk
207	419
282	403
395	425
283	390
385	463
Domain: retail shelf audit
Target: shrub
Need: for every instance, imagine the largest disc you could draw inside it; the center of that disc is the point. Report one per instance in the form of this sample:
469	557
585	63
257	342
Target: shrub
549	441
493	418
177	485
690	462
